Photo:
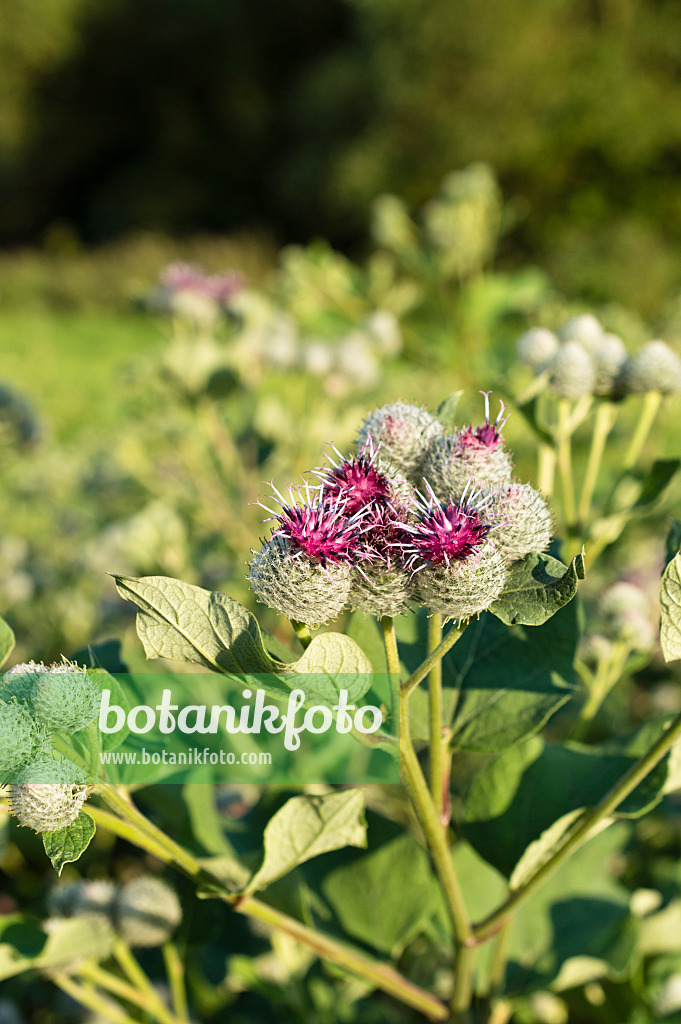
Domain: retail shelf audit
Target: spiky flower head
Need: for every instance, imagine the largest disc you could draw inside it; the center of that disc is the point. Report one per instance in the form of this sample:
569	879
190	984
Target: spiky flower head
536	348
586	329
472	454
401	433
65	698
573	371
19	736
443	533
465	587
610	356
83	899
20	681
48	794
655	368
147	911
381	590
296	586
525	522
322	528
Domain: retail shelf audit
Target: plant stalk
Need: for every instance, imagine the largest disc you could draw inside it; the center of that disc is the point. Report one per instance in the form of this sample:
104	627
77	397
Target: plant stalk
437	759
604	422
649	410
437	655
565	463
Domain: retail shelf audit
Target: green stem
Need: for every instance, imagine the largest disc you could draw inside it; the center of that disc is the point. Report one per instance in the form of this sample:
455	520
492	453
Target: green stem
546	469
604	422
435	700
139	980
649	410
392	657
581	831
302	632
435	835
175	974
139	831
91	1000
437	655
463	983
565	463
118	987
607	674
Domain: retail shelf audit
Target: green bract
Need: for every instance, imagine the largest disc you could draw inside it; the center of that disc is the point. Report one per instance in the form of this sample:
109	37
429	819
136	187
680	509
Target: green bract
65	698
297	587
18	736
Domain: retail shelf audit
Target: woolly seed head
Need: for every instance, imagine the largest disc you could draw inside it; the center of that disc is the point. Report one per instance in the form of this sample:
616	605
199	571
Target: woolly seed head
573	371
585	329
147	912
402	433
20	681
382	590
48	794
297	587
525	522
443	533
66	698
463	588
18	735
536	348
655	368
83	899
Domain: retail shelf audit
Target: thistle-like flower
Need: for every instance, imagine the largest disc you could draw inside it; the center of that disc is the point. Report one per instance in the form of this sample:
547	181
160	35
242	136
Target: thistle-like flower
525	521
322	528
65	698
381	585
655	368
402	434
20	681
458	570
48	794
573	371
296	586
474	453
536	348
147	911
19	736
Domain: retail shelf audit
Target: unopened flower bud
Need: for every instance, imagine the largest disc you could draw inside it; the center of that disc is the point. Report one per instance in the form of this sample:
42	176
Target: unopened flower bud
296	586
20	681
536	348
525	523
625	611
66	698
401	433
573	371
585	329
463	588
18	736
655	368
83	899
147	912
451	464
381	590
610	356
48	794
596	648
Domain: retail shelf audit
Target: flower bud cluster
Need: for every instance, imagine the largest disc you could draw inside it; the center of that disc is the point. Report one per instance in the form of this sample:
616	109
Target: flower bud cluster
36	701
414	517
584	359
144	911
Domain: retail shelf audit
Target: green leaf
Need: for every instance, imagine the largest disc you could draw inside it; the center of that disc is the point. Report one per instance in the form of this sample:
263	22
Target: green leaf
332	662
384	897
656	480
501	683
446	410
182	622
307	826
673	541
526	789
7	641
364	630
67	844
537	587
670	605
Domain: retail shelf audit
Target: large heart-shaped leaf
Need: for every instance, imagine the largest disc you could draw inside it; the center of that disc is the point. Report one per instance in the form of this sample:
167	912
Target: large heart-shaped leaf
536	588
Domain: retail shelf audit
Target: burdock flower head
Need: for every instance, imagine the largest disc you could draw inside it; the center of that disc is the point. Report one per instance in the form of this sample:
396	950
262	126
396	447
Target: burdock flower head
655	368
474	453
303	571
525	521
147	911
19	736
573	371
48	794
459	570
536	348
402	433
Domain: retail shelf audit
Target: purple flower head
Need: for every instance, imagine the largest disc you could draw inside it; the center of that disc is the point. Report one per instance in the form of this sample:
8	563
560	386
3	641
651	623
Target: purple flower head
185	277
489	434
357	481
321	528
445	533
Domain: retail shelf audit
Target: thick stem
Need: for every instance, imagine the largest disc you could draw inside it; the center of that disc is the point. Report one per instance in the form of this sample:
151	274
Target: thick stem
435	835
124	990
91	999
604	422
302	632
546	469
435	700
649	410
175	974
581	831
565	463
392	657
437	655
463	983
139	831
139	980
